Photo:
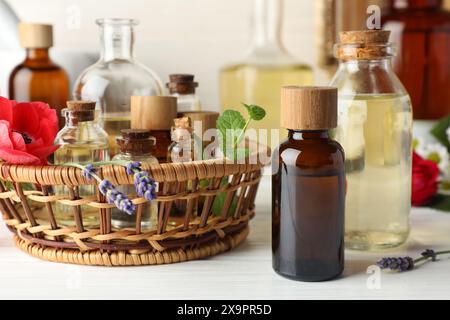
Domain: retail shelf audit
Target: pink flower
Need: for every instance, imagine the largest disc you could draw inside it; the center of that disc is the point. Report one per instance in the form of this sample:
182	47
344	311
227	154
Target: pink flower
27	132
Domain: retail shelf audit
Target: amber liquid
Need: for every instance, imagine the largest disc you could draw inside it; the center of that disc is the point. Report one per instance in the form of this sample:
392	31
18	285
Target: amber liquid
39	79
422	32
308	189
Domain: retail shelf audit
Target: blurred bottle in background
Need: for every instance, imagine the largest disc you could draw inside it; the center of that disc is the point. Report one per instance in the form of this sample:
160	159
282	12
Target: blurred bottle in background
421	29
38	78
183	87
116	77
258	78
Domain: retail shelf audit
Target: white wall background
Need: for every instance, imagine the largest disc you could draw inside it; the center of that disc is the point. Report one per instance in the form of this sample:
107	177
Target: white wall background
191	36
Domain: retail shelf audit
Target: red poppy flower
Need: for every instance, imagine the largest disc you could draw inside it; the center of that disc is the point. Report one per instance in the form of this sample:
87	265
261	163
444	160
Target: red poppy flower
424	180
27	132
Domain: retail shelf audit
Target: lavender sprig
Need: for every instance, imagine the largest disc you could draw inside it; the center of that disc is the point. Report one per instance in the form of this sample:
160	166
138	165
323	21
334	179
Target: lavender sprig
402	264
145	186
119	199
113	196
133	167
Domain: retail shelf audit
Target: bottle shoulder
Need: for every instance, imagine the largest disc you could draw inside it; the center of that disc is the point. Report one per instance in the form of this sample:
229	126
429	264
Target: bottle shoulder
82	134
325	154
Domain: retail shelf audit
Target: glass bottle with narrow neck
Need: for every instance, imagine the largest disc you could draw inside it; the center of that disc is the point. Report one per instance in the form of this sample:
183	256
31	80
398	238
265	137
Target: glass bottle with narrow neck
267	67
422	30
116	77
81	141
136	145
38	78
375	125
308	188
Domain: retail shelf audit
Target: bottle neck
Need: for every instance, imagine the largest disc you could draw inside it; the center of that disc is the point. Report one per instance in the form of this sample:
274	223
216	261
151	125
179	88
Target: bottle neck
40	55
117	41
77	118
416	4
308	135
357	65
267	25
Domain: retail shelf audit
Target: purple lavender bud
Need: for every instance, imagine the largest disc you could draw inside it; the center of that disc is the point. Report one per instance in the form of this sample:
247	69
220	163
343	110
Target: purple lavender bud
133	166
114	196
397	264
88	171
145	186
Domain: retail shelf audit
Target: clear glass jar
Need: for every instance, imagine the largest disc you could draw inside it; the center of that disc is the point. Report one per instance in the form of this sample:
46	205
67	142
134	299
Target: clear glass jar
375	129
116	77
182	86
267	67
136	145
82	141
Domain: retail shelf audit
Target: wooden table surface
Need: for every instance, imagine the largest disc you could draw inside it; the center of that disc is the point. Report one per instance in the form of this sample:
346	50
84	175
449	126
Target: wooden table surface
244	273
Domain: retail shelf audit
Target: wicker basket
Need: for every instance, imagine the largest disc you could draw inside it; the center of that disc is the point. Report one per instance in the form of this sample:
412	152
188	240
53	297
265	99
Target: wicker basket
29	214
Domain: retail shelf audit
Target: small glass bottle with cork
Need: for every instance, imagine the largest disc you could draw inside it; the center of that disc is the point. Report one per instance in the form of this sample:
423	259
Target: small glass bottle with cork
136	145
308	187
83	141
183	87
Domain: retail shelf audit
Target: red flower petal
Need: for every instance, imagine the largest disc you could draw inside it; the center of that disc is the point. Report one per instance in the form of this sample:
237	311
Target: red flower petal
18	157
18	143
5	140
6	106
43	152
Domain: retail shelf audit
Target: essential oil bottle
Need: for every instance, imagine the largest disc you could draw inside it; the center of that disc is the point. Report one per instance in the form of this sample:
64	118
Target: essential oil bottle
308	188
135	145
82	140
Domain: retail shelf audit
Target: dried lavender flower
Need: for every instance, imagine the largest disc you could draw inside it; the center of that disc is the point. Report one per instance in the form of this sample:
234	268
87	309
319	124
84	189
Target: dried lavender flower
407	263
397	264
133	167
89	171
119	199
145	186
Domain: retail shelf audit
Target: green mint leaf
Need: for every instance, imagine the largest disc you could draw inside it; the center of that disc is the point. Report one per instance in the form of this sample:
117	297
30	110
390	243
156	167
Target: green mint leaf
255	112
439	131
230	124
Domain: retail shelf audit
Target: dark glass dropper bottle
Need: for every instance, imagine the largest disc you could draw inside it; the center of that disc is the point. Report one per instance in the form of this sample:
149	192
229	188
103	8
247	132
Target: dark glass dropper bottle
308	188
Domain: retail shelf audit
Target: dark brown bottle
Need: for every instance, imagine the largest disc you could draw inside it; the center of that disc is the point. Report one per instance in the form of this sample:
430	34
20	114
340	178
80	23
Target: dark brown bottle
308	188
421	29
38	78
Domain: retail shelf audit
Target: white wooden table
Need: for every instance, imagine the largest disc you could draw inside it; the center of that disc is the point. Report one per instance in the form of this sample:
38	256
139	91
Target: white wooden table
244	273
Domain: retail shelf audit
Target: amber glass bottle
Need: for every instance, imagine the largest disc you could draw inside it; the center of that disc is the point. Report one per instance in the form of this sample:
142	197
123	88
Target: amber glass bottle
421	28
38	78
308	187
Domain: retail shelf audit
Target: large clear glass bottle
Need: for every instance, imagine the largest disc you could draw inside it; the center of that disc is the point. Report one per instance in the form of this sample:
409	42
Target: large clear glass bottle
38	78
266	68
82	141
116	77
375	128
136	145
422	30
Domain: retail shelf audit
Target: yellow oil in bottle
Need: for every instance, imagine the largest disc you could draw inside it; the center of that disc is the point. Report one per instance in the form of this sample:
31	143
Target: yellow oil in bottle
255	84
112	123
83	154
375	131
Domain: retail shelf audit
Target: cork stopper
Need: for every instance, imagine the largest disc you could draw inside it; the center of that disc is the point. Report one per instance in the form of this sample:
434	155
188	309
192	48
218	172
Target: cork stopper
81	110
364	45
136	141
34	35
182	84
308	108
153	112
182	129
138	134
182	123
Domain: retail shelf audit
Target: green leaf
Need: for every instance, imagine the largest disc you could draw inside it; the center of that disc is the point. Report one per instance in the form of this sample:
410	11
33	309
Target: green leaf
255	112
439	131
219	201
230	124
